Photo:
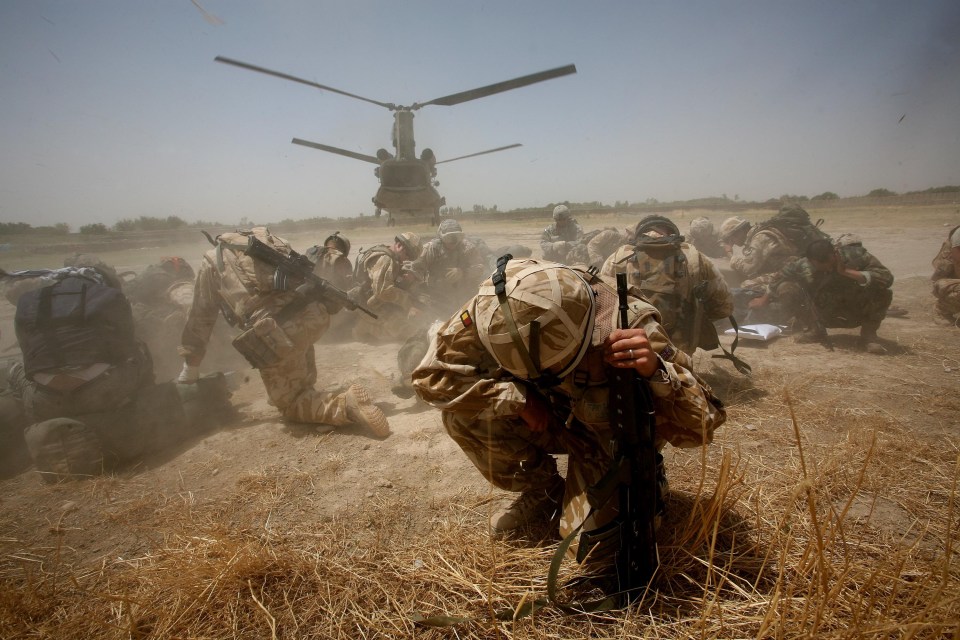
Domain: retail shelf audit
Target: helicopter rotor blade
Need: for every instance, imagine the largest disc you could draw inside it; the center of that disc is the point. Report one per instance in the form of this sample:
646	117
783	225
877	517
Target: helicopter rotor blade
336	150
480	153
499	87
286	76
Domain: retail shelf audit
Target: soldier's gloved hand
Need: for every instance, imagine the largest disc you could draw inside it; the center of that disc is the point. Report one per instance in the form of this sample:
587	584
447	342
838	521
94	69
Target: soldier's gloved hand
453	275
189	374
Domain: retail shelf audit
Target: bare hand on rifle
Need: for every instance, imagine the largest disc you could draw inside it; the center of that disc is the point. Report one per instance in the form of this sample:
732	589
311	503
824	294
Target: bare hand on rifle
630	349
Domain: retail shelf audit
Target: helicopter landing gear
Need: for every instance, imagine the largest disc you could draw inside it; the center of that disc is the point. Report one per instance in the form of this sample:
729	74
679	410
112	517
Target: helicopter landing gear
377	212
391	221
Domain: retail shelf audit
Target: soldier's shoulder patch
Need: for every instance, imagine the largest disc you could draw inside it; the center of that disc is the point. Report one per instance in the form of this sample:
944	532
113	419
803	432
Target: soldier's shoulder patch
466	319
668	353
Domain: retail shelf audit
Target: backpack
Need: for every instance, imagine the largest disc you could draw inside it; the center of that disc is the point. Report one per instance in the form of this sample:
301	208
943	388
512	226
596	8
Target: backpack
244	282
794	224
361	280
76	321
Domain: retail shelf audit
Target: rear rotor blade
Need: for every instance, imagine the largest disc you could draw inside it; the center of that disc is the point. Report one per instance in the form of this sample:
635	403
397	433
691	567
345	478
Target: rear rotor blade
507	85
285	76
336	150
480	153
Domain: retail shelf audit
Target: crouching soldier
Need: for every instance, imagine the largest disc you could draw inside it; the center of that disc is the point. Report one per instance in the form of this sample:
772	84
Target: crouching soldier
524	373
946	278
280	325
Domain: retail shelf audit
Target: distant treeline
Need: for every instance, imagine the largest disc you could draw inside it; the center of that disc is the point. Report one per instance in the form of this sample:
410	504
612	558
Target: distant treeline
150	223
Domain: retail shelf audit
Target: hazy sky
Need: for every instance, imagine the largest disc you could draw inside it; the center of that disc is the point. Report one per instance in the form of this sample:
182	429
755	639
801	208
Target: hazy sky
114	109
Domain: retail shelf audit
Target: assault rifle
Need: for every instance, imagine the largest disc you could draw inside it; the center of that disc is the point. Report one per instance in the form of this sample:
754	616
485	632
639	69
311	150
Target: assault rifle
299	268
632	477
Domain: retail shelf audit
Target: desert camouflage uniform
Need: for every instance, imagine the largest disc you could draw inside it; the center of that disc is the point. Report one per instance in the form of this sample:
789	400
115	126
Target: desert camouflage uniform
447	273
481	409
705	239
602	245
764	251
381	287
564	243
946	283
840	302
290	382
669	285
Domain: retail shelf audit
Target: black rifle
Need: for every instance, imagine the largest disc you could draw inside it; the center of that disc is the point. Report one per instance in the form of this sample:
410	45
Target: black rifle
633	476
298	268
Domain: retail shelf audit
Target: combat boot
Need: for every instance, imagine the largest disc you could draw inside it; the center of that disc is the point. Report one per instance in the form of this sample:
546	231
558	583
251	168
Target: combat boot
869	341
531	506
361	411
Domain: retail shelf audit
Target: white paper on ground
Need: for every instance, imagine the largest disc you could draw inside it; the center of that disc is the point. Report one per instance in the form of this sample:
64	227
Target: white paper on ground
757	331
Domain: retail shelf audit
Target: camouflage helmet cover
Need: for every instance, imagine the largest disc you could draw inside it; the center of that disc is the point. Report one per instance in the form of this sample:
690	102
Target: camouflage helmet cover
410	242
556	297
561	212
89	260
448	227
701	226
341	243
731	226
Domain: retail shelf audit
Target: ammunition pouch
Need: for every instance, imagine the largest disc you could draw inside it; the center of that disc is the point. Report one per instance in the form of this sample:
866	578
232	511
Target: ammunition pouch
264	344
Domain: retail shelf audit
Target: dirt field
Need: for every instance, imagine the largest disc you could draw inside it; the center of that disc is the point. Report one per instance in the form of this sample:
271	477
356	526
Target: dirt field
846	527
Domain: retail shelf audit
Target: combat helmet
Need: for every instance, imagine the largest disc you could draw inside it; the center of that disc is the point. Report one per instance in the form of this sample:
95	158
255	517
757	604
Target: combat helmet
341	243
536	318
561	212
731	226
657	224
450	231
410	242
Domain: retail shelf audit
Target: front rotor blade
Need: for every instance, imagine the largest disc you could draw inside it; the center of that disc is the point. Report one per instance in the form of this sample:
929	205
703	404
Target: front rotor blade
286	76
336	150
480	153
507	85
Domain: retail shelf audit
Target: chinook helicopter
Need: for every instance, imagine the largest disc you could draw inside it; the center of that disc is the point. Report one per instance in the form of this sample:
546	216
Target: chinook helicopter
407	182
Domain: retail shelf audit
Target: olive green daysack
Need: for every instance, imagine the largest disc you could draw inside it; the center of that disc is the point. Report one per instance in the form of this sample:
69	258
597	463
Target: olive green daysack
794	223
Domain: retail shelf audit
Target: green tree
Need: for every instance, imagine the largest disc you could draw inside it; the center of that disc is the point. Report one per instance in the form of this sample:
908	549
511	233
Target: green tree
826	195
94	229
881	193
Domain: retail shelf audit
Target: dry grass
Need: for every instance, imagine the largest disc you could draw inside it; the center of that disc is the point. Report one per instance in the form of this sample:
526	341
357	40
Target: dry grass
815	515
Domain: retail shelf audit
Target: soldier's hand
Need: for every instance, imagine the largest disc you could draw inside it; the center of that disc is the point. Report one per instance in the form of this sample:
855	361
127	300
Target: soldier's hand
453	275
536	413
761	301
630	349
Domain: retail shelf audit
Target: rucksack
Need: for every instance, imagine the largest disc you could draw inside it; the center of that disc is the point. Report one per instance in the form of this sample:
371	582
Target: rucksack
795	225
361	279
244	282
76	321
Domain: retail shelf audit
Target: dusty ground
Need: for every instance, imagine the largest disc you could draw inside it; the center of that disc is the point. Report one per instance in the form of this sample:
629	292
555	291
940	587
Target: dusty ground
909	396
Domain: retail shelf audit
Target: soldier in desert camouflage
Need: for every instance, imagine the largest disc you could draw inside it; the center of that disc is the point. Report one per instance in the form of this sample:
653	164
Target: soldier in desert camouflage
562	241
833	285
946	278
511	405
279	333
678	280
384	283
449	266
